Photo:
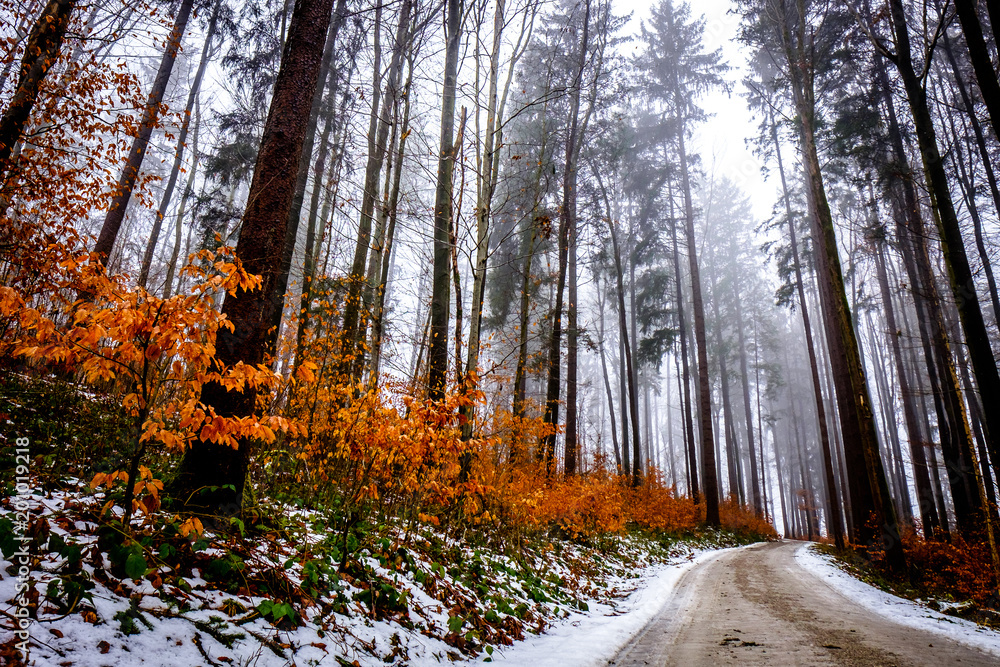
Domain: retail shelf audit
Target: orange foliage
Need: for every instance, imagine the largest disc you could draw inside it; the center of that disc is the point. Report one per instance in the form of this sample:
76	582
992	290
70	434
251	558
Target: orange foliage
405	457
78	134
158	353
958	568
742	520
655	508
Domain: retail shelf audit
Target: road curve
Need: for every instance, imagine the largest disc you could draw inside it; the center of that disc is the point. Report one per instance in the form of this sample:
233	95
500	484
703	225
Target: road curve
757	606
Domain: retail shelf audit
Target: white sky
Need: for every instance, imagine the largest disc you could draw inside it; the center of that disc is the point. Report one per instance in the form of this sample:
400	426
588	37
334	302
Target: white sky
721	141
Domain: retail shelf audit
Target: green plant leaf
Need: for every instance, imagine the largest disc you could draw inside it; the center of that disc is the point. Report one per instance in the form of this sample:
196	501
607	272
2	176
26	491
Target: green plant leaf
135	567
455	623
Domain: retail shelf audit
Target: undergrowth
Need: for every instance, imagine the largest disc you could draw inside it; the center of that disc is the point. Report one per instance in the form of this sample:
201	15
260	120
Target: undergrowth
953	576
368	518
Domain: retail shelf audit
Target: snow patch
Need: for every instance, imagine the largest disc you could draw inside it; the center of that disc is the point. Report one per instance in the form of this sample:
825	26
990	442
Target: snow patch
593	639
896	609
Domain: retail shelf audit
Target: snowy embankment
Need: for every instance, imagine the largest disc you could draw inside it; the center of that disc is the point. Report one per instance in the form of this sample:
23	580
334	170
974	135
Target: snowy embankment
594	638
439	601
899	610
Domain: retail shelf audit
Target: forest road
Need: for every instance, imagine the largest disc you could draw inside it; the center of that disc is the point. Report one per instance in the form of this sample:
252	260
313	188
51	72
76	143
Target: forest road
757	606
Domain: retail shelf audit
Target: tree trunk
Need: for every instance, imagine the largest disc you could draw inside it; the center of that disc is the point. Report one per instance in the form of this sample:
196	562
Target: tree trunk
952	244
40	53
168	192
116	212
824	432
732	447
607	381
438	354
175	254
567	224
692	456
986	76
758	505
866	475
711	483
213	477
925	494
633	399
302	172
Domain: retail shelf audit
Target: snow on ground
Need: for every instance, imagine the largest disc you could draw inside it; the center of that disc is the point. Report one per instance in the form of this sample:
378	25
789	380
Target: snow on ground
594	638
897	609
130	622
580	639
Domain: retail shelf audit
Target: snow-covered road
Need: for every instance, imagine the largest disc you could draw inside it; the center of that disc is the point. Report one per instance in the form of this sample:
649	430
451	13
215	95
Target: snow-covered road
779	603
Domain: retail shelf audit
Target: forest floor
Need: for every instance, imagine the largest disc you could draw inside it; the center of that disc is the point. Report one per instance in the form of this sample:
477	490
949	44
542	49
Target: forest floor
274	597
784	603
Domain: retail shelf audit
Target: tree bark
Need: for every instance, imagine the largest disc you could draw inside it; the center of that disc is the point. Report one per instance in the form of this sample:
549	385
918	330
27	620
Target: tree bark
212	476
567	224
438	353
168	192
150	115
986	76
302	172
40	53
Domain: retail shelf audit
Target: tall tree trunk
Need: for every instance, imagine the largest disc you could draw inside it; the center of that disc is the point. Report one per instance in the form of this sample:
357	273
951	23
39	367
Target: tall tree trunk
213	476
168	192
952	244
986	76
925	494
866	475
685	375
151	112
732	453
629	379
437	357
623	401
571	439
302	172
824	432
175	254
40	53
522	331
711	483
760	421
758	505
787	532
607	381
567	224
